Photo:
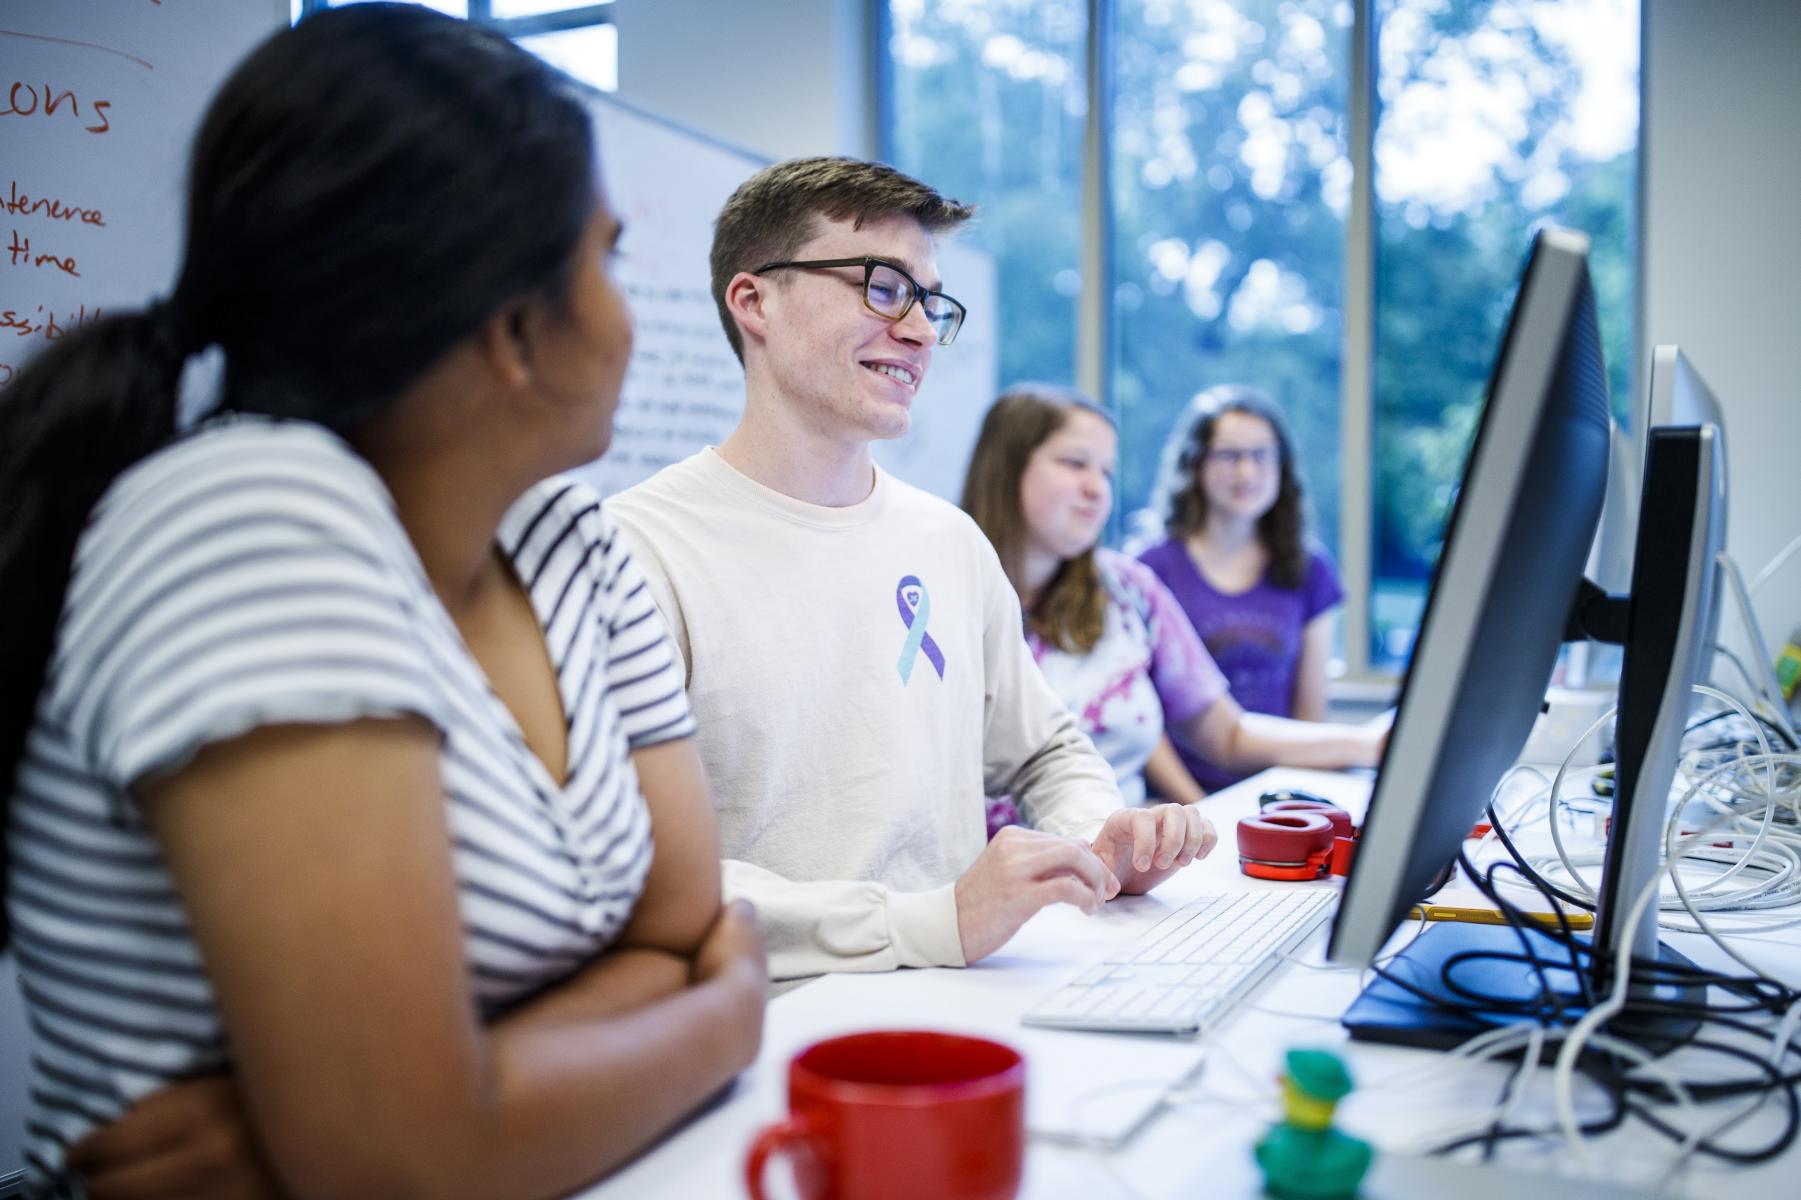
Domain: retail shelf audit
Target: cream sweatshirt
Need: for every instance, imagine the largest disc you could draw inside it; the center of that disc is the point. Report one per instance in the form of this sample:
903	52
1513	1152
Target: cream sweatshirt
860	683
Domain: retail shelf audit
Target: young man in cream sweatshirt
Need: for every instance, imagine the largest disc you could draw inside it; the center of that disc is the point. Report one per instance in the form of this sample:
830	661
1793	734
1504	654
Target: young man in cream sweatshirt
852	648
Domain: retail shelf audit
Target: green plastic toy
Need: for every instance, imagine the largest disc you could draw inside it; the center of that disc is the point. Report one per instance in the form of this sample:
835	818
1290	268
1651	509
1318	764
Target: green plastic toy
1302	1156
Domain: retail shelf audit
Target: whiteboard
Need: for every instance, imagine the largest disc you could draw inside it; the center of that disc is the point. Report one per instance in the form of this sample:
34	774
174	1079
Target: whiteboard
684	388
99	101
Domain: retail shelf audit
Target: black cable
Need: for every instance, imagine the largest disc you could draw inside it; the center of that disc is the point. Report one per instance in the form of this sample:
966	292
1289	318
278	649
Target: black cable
1779	737
1604	1067
1617	1086
1551	892
1472	1012
1710	1008
1769	1078
1776	733
1601	1067
1645	1020
1732	1022
1519	861
1492	1138
1760	995
1713	1149
1775	1082
1773	731
1517	918
1547	995
1704	722
1776	1001
1547	1008
1607	1124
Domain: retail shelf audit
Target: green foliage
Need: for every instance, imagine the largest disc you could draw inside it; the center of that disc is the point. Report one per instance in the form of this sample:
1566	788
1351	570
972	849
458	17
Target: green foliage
1011	141
1230	190
1184	186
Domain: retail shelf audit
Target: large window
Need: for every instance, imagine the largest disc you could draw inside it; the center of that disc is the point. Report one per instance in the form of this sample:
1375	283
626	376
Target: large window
1495	117
987	100
1230	189
576	36
1237	255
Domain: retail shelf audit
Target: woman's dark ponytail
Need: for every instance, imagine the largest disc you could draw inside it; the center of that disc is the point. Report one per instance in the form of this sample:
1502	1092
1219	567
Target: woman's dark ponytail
98	400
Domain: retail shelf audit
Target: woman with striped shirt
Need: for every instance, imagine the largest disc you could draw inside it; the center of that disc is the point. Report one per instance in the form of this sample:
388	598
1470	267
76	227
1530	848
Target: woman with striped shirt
338	729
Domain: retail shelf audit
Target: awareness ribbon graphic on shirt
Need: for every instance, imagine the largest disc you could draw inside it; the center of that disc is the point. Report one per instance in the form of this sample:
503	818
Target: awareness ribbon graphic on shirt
915	606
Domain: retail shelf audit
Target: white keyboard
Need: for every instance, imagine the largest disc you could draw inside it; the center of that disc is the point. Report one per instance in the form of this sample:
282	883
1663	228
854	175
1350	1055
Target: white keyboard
1189	967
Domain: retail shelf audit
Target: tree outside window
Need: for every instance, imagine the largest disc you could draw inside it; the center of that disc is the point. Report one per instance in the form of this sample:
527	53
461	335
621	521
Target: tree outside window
1497	116
1230	184
986	102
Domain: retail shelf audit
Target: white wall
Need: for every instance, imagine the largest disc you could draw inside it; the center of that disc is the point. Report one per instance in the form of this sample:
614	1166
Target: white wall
1722	252
784	78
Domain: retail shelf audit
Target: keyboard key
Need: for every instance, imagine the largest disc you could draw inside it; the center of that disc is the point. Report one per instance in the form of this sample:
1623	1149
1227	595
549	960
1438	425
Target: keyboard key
1140	1003
1170	1004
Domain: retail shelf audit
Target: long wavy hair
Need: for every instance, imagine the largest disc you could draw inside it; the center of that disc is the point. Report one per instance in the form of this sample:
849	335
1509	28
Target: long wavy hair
366	190
1071	610
1179	503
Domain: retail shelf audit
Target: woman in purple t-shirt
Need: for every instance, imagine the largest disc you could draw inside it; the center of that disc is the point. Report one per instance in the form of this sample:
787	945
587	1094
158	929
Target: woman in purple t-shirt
1237	559
1108	636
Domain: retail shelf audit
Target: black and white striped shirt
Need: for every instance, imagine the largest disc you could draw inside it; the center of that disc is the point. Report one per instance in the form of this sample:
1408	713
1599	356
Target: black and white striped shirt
256	573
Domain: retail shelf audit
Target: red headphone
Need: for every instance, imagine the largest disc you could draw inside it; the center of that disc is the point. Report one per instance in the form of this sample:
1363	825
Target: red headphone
1300	836
1296	839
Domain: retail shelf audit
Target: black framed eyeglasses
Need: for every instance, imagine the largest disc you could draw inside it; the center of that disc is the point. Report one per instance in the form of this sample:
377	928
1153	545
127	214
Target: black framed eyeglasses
1258	456
890	292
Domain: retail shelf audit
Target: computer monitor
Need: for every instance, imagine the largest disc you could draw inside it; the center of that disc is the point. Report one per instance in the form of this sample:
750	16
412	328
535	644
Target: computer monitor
1679	397
1676	395
1514	551
1676	621
1672	616
1508	588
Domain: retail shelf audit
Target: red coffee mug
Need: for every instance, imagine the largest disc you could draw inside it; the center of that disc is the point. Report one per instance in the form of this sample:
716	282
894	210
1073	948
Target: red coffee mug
899	1115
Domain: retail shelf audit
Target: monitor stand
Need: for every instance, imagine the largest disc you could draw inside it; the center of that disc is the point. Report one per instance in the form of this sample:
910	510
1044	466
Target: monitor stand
1388	1012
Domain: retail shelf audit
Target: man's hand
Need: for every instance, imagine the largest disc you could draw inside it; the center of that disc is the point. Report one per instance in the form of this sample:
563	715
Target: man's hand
189	1141
1019	872
1145	846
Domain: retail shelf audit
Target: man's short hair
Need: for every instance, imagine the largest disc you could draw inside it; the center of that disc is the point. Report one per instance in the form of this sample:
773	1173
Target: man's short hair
775	211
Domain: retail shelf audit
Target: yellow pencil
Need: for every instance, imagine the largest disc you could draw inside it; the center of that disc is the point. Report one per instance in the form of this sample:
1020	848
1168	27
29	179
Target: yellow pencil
1492	916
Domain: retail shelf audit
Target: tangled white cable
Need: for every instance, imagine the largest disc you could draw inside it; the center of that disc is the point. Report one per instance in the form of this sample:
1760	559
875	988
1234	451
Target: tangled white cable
1754	841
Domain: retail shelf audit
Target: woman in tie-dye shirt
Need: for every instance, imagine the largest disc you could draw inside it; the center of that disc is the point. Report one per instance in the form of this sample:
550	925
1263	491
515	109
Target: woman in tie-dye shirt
1107	634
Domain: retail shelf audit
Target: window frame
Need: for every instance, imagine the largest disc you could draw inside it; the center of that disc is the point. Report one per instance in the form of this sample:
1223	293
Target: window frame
1357	416
482	13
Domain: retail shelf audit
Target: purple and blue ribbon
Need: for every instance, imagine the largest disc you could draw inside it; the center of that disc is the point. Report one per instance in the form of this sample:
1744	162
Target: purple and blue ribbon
915	606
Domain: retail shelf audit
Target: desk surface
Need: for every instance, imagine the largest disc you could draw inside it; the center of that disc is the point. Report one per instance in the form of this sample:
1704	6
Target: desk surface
1197	1142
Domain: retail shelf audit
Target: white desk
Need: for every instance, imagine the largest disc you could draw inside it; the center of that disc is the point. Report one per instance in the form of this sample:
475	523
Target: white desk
1198	1143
